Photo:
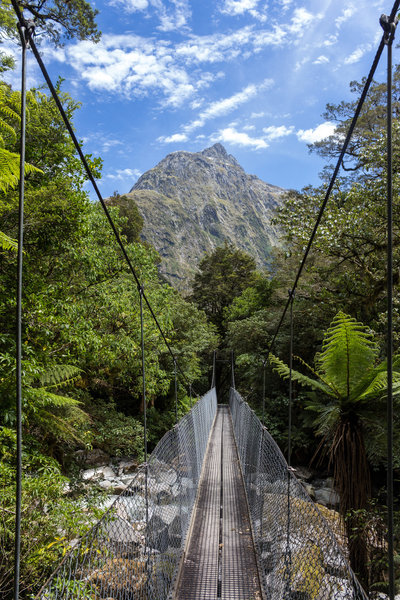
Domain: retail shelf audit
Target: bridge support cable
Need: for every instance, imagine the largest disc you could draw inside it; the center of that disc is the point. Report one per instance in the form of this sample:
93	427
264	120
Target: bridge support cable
288	554
213	380
389	26
176	392
346	142
32	45
233	369
264	366
23	32
146	466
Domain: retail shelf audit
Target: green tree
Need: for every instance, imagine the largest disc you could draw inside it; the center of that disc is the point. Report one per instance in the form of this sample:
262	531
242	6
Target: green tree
223	275
56	19
347	386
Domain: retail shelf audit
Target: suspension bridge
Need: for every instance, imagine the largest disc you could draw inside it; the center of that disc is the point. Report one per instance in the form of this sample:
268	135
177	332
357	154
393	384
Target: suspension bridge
215	512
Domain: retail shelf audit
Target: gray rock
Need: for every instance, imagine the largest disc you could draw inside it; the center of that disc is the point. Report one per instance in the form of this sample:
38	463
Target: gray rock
127	466
106	484
121	531
327	497
303	473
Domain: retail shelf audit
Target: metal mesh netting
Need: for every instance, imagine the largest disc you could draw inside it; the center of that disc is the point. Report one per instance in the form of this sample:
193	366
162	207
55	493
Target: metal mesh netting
133	552
299	556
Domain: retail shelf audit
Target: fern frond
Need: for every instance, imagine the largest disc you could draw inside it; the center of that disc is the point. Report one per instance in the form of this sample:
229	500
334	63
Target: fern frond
348	351
61	426
45	398
9	169
59	375
328	416
283	370
7	243
318	375
6	129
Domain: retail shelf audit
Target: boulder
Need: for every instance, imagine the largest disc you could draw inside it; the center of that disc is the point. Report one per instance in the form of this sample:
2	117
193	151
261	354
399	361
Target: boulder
127	466
327	497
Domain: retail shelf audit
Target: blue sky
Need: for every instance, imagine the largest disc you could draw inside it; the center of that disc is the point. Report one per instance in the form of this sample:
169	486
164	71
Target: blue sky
254	75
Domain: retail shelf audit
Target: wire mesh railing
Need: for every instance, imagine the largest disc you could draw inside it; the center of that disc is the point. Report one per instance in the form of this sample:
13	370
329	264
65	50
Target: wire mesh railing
134	551
299	556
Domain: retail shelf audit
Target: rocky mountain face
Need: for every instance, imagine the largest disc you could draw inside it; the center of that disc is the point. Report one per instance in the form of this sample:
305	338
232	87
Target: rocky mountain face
192	202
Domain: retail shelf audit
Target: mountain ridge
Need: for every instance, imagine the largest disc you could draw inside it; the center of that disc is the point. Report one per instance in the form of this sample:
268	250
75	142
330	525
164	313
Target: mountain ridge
192	202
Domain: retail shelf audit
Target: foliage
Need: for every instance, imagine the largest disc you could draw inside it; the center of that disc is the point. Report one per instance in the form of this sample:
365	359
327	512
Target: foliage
116	433
128	210
51	518
223	275
55	19
346	380
10	103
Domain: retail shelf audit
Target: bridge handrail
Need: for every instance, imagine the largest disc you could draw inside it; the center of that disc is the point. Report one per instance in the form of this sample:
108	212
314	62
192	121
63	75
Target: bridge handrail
134	550
299	555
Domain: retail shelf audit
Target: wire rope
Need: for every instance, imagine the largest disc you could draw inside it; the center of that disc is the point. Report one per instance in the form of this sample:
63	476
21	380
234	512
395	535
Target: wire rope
389	27
18	491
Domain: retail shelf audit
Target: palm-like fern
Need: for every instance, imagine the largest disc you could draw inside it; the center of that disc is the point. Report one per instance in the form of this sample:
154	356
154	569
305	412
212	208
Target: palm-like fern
346	379
9	118
52	411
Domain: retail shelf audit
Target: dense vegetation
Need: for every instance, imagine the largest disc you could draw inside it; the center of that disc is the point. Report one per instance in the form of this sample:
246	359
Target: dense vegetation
81	330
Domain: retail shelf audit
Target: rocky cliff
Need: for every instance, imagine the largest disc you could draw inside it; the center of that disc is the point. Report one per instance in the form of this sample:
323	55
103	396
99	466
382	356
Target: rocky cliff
192	202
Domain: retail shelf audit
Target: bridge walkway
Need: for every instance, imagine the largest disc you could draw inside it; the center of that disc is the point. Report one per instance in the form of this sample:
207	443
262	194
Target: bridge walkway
220	560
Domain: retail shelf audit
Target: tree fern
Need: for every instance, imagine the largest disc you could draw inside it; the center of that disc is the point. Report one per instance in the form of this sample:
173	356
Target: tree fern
348	351
283	370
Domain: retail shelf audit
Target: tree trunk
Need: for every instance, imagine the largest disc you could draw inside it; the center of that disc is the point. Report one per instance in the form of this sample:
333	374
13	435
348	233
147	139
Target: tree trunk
353	483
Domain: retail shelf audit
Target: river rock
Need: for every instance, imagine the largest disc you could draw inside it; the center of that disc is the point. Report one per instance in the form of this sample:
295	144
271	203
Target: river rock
327	497
127	466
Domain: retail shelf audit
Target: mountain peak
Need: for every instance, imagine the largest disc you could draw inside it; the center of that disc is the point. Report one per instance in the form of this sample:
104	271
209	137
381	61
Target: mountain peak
218	151
192	201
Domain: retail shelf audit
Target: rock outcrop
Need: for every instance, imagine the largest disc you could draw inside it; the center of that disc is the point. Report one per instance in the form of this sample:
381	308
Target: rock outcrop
192	202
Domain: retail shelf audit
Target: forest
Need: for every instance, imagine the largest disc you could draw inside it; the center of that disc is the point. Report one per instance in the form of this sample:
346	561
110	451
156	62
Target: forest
82	386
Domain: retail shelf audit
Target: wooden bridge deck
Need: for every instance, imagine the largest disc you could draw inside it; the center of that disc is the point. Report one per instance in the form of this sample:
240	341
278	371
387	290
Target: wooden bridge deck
220	561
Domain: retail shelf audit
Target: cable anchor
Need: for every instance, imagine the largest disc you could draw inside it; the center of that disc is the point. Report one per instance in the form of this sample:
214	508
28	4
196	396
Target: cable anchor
26	31
389	28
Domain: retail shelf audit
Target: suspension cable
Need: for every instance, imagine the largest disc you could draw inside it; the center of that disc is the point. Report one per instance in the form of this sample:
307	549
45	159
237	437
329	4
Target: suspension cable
18	491
389	27
92	180
336	171
291	296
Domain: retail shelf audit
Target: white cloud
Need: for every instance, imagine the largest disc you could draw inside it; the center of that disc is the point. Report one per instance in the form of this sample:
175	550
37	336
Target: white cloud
321	60
330	41
274	132
134	66
347	13
108	144
320	132
357	54
301	19
255	115
237	138
176	137
238	7
177	19
122	174
131	5
226	105
172	16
